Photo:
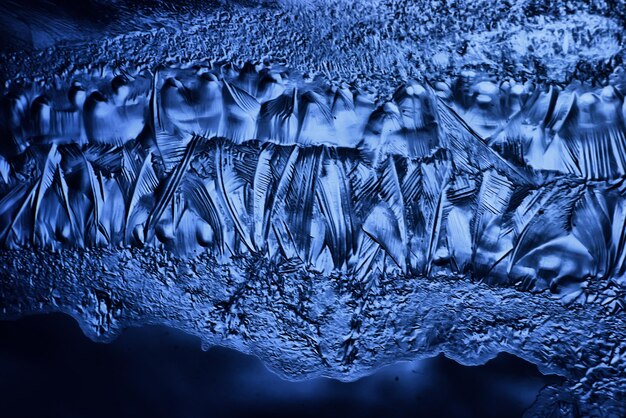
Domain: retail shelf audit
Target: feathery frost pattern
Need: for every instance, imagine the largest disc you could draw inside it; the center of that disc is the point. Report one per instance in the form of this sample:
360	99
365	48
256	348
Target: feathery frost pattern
390	180
252	162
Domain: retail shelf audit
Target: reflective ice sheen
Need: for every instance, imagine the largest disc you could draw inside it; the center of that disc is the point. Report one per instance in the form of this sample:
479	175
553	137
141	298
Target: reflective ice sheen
327	227
251	161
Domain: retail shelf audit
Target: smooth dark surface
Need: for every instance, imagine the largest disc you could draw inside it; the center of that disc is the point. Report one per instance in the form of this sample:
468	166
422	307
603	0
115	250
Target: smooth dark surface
48	368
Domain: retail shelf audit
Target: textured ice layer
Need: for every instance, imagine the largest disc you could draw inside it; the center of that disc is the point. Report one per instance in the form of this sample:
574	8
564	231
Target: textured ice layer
337	222
252	161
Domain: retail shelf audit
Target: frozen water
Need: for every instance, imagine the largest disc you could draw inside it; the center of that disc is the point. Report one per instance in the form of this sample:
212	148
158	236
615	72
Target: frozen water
327	213
200	160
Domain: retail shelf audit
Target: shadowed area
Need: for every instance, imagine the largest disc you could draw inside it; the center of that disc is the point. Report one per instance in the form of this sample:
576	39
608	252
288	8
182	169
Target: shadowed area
42	23
48	368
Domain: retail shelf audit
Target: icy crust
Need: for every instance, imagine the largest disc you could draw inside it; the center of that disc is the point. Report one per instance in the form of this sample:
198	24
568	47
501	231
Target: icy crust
374	43
149	175
472	178
505	181
575	129
324	230
304	324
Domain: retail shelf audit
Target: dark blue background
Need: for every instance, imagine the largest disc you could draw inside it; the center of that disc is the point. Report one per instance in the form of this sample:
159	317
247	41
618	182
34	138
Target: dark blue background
48	368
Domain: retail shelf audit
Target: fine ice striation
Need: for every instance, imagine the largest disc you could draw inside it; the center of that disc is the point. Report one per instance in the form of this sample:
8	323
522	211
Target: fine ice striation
247	161
324	226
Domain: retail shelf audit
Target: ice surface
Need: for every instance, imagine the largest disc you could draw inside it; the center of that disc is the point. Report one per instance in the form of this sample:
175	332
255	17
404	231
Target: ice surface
337	214
194	160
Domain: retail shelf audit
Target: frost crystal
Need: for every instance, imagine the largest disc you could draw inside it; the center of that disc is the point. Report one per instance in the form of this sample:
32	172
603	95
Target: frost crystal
337	218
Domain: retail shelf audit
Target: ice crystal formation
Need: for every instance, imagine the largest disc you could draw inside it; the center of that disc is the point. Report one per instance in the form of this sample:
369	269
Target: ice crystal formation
332	186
